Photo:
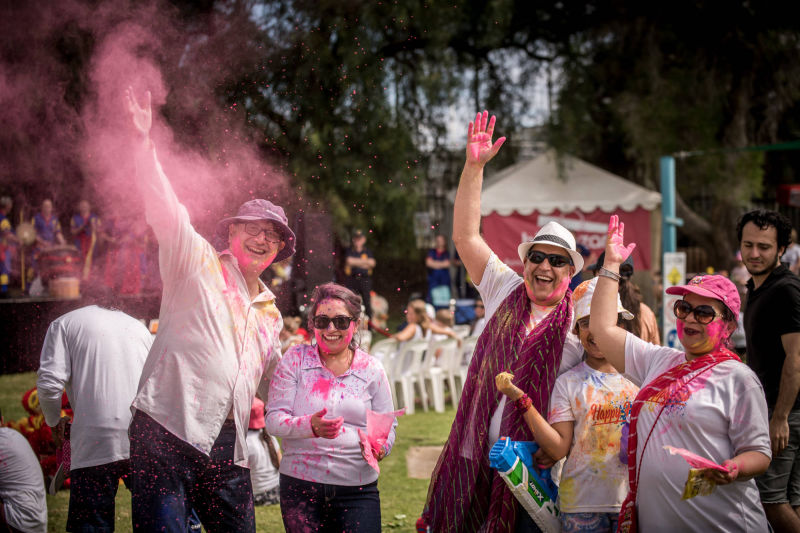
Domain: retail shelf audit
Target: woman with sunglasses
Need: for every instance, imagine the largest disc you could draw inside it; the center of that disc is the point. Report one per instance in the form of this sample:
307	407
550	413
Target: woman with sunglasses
702	399
318	400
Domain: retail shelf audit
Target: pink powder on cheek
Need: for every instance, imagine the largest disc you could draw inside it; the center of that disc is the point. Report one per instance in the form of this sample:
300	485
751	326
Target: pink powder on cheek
680	330
562	287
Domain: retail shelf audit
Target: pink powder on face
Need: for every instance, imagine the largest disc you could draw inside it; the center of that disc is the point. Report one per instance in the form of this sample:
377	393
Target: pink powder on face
561	289
715	336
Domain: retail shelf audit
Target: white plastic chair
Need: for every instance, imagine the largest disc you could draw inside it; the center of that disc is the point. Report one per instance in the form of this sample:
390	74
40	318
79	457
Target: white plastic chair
406	374
384	351
467	349
365	340
462	330
438	371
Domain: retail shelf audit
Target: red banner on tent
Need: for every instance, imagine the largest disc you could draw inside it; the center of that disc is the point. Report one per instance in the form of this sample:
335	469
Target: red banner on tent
505	233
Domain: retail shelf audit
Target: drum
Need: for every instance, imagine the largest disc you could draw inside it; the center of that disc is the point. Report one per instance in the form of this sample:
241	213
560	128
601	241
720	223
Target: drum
60	262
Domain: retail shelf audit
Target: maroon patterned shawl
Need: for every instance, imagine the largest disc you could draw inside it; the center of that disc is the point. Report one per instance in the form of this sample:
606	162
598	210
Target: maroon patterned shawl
465	494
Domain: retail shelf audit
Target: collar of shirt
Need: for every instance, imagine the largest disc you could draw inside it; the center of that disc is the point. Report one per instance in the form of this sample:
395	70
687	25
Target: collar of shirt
357	368
777	273
264	294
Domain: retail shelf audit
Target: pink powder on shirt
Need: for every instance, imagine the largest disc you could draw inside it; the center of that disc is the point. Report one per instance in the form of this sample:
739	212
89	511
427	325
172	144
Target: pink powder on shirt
322	387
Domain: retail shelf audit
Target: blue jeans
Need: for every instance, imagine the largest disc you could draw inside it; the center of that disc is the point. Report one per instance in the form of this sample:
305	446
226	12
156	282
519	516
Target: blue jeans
317	507
170	478
92	495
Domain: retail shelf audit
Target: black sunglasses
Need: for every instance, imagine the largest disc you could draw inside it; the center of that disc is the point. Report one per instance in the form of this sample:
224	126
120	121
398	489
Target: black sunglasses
340	322
555	260
704	314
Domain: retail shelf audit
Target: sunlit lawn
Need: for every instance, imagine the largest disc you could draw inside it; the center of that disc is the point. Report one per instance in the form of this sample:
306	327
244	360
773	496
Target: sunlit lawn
401	498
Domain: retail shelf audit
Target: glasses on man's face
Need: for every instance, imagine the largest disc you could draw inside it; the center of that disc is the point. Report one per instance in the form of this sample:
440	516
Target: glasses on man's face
704	314
555	260
269	235
340	322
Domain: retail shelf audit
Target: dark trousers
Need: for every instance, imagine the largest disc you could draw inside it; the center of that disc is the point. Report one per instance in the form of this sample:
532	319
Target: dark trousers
92	494
170	478
317	507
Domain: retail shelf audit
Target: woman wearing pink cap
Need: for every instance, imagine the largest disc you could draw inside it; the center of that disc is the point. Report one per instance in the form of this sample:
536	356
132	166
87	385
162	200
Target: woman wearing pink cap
701	399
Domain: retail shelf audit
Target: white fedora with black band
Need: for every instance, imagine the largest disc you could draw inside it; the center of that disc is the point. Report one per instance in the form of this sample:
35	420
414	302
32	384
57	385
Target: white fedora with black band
554	234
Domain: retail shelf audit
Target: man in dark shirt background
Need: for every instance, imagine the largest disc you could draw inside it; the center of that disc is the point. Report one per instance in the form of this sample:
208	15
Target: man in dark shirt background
358	266
772	329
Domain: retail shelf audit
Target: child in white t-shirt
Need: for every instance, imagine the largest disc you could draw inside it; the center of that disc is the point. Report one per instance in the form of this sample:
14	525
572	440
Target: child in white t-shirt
588	409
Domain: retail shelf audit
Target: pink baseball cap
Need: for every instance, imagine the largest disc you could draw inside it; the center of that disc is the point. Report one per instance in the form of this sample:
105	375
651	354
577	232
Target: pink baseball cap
711	286
256	415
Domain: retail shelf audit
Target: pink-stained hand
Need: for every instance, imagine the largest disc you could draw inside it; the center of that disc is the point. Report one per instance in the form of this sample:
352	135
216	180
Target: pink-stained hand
616	251
723	478
326	428
480	149
141	117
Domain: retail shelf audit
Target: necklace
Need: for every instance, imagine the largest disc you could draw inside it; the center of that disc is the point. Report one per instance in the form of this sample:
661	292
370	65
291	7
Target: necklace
347	355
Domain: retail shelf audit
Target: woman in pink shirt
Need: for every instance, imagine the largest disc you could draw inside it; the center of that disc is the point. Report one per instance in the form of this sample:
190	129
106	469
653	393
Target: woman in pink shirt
318	400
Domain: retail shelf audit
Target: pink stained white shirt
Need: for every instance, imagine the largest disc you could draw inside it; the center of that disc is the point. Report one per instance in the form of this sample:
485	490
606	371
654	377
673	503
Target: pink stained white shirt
301	387
721	414
215	345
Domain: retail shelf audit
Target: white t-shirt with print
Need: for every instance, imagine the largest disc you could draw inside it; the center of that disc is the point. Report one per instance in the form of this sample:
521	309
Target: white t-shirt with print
719	415
498	281
593	480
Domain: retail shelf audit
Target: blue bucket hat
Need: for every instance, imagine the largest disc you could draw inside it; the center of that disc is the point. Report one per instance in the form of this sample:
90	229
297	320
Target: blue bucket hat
263	210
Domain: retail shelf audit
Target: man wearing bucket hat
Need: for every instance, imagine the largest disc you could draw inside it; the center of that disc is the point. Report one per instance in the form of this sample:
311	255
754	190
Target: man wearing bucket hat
217	345
527	333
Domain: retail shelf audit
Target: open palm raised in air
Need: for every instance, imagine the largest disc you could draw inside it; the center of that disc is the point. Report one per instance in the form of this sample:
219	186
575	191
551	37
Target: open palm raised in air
480	149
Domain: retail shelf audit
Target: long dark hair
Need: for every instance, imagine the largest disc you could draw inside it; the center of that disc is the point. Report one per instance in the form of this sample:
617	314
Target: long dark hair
632	301
351	301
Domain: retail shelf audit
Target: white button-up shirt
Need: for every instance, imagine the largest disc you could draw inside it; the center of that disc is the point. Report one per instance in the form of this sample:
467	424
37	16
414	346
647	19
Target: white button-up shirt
303	386
215	345
97	355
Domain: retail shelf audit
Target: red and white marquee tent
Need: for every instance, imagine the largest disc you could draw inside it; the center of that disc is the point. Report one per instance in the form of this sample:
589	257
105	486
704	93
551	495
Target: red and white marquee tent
520	199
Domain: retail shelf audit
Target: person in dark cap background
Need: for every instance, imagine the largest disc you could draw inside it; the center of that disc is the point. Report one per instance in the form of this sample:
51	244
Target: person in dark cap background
644	324
358	266
218	345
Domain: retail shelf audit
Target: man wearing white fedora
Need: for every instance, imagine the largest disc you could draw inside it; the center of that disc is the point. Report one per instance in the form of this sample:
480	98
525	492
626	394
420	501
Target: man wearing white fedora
217	345
527	333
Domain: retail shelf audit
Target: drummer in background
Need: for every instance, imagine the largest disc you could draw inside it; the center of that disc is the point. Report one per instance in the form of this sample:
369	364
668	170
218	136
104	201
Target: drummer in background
7	240
83	225
48	228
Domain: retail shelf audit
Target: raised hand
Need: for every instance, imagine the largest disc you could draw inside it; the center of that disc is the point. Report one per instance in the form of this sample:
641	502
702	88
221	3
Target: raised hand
141	117
616	251
480	149
504	385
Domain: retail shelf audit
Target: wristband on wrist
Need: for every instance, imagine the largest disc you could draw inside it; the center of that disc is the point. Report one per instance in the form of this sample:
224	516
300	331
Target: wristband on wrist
523	403
608	274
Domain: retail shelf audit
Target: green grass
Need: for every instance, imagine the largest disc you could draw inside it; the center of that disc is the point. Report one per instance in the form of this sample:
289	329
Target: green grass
402	498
